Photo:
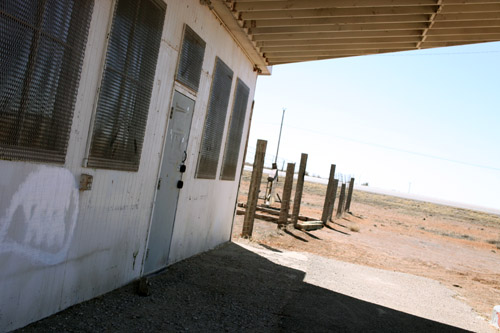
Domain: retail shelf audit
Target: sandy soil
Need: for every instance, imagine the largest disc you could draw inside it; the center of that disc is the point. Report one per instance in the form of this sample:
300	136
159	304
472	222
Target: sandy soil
457	247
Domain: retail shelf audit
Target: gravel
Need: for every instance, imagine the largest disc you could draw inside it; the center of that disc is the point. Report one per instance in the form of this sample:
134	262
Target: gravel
409	294
242	287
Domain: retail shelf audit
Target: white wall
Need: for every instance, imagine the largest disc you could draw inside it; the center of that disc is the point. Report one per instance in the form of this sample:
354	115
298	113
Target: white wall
206	206
60	246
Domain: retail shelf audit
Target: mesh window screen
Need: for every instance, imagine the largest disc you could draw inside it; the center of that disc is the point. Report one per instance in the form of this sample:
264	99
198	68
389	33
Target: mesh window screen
214	122
191	59
122	108
41	51
233	141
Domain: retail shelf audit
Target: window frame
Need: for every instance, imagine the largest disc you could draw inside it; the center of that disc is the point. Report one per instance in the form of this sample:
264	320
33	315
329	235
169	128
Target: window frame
194	90
228	131
108	163
62	96
217	168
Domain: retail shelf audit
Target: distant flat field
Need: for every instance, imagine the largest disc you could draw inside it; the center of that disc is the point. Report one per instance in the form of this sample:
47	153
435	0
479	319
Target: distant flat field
457	247
397	194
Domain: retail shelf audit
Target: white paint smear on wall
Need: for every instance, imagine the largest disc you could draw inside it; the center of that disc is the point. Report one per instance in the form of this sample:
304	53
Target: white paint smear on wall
41	218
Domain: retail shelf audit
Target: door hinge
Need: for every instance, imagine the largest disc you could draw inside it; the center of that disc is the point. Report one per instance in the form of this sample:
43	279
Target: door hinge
171	112
159	184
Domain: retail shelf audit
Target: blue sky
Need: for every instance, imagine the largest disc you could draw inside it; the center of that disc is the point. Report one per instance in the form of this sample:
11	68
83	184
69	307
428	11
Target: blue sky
427	121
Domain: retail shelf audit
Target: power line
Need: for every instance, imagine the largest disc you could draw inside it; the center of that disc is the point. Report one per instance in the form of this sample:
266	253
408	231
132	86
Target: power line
397	149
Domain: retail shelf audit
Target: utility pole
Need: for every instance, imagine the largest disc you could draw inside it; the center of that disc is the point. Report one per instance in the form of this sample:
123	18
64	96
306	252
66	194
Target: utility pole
271	179
275	165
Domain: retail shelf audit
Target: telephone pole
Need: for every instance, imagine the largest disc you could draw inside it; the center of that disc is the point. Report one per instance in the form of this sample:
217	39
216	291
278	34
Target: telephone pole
275	164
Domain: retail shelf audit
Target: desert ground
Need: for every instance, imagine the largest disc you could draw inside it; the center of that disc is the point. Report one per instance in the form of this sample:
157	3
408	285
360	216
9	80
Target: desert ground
390	265
459	248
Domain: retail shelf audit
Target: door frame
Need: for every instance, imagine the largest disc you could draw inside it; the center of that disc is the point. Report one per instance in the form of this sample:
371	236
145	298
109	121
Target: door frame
176	87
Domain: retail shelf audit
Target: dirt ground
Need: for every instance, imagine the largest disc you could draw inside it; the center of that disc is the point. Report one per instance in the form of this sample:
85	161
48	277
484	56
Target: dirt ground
319	281
459	248
244	287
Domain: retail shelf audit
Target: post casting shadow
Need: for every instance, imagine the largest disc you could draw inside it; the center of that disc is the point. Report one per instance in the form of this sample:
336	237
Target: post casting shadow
295	236
343	233
270	248
340	225
311	235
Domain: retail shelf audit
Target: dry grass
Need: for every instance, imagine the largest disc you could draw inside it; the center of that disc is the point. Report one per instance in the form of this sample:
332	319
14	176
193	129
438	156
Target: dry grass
354	228
449	234
314	194
494	242
421	208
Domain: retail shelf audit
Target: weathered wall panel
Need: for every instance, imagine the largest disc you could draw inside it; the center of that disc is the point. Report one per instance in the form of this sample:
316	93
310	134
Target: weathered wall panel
60	246
206	206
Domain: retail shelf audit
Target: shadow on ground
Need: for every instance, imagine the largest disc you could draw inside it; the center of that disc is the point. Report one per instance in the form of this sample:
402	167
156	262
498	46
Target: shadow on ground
232	289
343	233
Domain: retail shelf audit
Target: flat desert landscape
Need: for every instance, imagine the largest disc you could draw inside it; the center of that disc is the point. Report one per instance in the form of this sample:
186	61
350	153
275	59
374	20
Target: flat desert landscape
459	248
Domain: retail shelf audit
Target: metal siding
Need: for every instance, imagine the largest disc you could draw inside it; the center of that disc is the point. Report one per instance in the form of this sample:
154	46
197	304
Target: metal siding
113	218
206	207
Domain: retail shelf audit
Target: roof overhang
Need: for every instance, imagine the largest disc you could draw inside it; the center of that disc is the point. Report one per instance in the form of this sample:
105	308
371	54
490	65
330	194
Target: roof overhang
273	32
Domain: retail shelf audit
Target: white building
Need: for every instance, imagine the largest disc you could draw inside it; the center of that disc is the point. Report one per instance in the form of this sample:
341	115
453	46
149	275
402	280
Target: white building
123	124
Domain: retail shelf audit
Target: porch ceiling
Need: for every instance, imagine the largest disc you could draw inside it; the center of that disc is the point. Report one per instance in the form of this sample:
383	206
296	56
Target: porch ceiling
276	32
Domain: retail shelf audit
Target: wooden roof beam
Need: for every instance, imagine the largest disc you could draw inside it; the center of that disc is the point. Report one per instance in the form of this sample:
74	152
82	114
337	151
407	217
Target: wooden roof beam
315	4
344	53
340	27
464	38
336	34
364	11
313	48
463	31
350	49
428	45
474	8
372	19
466	24
470	2
337	41
467	16
247	6
282	61
335	12
337	20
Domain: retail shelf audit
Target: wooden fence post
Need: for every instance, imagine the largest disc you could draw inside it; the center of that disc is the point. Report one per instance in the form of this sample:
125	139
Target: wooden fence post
328	196
287	193
334	196
340	208
349	195
298	190
253	192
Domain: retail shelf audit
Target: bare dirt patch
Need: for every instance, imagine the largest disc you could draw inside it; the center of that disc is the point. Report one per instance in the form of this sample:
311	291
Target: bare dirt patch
457	247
